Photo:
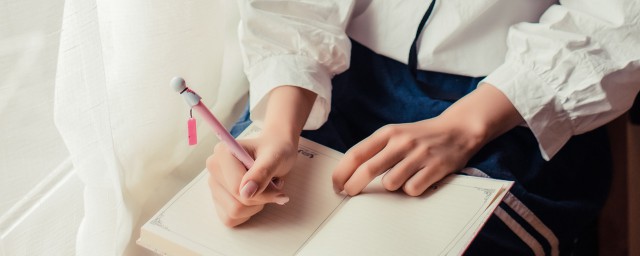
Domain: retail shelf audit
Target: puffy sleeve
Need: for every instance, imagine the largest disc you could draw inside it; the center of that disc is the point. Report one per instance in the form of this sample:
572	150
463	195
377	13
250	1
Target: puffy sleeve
575	70
298	43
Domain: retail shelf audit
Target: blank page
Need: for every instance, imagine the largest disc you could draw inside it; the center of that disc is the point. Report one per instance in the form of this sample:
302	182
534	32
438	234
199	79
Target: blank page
382	223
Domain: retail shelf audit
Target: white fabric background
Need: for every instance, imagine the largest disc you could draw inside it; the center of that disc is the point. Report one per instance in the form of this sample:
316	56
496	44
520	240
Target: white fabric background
40	195
124	127
30	146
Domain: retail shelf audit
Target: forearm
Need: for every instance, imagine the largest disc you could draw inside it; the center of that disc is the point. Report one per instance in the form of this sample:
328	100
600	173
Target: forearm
483	115
287	111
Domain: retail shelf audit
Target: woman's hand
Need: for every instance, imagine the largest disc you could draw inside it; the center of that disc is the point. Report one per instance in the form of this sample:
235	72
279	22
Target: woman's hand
418	154
239	193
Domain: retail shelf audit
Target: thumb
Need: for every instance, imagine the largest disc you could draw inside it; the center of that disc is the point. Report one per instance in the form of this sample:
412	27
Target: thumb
269	195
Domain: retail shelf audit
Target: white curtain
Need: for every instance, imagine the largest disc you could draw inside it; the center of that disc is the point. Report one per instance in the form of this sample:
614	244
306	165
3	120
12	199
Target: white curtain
40	197
124	127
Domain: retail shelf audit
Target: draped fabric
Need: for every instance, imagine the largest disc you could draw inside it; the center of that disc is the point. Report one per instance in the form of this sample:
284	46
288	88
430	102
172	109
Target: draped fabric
124	127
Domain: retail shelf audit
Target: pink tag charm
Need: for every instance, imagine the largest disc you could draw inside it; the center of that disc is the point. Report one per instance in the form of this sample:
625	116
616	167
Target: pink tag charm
193	132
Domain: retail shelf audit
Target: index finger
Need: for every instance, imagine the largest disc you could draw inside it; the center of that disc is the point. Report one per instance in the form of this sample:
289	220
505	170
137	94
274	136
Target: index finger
230	172
355	157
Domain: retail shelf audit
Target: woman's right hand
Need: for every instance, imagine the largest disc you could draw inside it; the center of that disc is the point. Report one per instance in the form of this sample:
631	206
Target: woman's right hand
239	193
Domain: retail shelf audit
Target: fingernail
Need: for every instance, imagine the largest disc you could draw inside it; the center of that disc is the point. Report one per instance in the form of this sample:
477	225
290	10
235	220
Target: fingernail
337	190
281	199
249	189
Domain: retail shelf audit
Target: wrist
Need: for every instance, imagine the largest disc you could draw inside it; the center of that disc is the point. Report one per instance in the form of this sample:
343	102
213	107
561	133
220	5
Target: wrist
483	115
274	133
467	133
287	111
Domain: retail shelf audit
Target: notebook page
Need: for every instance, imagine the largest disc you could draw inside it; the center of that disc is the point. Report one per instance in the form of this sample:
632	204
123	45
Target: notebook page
190	219
382	223
465	240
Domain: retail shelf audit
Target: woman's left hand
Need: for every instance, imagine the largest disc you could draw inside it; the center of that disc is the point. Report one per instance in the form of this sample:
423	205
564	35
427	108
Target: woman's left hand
416	155
419	154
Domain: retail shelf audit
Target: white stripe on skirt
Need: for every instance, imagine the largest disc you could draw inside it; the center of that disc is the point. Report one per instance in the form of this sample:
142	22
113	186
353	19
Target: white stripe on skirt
514	203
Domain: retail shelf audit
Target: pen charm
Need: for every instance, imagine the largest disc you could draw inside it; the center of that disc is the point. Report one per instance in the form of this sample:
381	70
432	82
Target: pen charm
192	129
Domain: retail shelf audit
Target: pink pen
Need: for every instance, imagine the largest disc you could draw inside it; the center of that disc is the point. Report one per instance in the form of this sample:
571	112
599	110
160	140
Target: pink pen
194	101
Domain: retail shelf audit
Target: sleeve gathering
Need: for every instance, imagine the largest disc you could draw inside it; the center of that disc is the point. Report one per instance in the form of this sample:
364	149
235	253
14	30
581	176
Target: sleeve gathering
296	43
575	70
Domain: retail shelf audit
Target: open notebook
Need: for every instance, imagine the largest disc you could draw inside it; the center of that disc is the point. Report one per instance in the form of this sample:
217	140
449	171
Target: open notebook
318	221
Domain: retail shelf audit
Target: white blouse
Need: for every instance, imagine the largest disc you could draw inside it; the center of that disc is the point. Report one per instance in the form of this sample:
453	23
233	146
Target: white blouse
567	67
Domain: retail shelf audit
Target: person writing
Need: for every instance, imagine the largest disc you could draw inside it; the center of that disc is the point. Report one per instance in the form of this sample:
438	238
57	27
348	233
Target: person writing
416	90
